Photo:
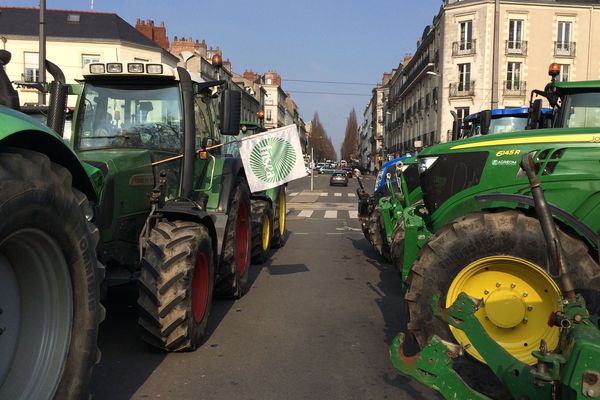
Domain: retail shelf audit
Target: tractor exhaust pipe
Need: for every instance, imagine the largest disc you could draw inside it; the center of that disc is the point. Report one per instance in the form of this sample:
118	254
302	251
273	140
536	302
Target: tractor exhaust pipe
58	99
549	228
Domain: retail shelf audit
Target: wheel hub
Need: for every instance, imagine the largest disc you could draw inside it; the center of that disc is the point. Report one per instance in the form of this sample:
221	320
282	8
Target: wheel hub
505	308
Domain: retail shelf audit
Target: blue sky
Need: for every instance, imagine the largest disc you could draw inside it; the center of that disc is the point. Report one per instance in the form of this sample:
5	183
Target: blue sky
327	40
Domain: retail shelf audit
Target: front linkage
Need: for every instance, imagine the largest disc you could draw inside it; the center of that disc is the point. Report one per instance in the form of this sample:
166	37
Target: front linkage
570	372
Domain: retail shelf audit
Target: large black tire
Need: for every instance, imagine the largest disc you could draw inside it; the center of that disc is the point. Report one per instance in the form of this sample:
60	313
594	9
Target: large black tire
472	238
377	234
176	284
262	230
49	281
236	253
397	245
279	220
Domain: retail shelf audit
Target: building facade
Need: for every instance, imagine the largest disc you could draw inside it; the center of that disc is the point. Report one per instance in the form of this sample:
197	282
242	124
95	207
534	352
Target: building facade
457	69
73	40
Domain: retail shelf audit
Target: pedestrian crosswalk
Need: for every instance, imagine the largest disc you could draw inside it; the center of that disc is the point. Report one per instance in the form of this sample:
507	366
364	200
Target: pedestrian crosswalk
322	214
324	194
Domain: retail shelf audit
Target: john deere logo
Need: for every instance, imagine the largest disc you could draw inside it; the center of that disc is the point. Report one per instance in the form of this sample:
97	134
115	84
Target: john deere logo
272	159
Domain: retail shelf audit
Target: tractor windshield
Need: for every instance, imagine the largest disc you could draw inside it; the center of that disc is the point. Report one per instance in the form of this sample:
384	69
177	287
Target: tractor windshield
126	116
581	110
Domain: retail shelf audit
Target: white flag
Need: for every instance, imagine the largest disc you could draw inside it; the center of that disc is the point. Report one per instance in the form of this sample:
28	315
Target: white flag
272	158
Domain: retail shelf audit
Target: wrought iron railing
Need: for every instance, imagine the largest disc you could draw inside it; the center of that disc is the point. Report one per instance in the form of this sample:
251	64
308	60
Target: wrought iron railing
565	49
516	47
462	89
515	88
463	48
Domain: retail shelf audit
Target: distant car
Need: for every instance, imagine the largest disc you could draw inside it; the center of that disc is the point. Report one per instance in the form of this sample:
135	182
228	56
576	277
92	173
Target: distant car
349	171
338	177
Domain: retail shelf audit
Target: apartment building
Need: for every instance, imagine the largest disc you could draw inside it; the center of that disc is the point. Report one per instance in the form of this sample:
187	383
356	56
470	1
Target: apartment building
476	56
73	40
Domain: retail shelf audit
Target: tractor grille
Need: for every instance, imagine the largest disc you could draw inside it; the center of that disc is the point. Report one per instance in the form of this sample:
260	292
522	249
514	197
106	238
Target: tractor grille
450	174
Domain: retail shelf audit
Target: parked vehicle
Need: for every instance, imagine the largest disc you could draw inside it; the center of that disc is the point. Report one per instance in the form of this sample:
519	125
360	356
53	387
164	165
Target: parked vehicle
502	120
49	273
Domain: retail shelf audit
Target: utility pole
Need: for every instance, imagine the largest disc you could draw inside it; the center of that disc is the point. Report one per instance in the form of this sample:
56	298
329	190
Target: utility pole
42	52
495	55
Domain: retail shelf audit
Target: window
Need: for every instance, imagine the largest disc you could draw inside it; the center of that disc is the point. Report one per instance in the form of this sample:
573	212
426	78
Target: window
466	35
31	71
563	39
461	114
564	72
464	77
89	59
515	34
73	18
269	115
513	75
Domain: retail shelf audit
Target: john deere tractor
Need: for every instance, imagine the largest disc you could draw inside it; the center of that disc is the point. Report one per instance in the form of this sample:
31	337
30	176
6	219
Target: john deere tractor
486	240
49	274
175	213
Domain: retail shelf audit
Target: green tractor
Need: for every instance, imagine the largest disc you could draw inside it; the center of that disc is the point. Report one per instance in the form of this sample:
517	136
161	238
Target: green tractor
49	273
486	240
175	213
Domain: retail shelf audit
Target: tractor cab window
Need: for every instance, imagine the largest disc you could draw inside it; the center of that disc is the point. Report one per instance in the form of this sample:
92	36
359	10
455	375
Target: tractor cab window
581	110
125	116
205	123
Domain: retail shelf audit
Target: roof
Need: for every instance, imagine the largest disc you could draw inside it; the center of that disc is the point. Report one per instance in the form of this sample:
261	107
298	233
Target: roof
578	85
23	21
505	112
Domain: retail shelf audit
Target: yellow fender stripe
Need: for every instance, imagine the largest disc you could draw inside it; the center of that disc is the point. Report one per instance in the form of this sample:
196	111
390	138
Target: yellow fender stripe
582	138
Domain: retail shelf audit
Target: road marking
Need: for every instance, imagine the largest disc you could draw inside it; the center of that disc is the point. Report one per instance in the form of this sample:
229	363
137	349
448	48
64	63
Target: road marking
323	194
331	214
300	233
292	194
334	233
305	213
338	195
353	214
351	195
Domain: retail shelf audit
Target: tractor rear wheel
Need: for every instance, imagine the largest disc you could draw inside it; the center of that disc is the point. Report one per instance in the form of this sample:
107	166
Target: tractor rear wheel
502	258
49	274
235	257
279	220
377	234
262	230
176	284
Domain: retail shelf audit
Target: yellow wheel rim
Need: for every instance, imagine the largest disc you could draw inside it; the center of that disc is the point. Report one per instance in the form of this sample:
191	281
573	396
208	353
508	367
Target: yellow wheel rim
266	232
518	297
282	213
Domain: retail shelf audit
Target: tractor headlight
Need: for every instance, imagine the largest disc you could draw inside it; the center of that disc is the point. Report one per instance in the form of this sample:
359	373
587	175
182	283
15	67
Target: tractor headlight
97	68
425	163
378	179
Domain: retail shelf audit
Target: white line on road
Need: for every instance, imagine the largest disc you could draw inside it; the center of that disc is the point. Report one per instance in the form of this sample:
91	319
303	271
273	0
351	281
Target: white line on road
334	233
353	214
305	213
292	194
338	195
331	214
351	195
323	194
300	233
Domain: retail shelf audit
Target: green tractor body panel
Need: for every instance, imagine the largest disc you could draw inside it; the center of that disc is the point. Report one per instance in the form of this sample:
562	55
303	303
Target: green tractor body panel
484	173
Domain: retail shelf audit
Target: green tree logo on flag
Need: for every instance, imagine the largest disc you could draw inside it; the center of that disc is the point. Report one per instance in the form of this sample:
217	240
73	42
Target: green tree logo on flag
272	159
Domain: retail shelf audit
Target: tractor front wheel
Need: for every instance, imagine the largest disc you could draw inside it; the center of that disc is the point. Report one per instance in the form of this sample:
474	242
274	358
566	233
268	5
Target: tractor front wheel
377	234
279	219
262	230
397	246
501	258
49	292
175	285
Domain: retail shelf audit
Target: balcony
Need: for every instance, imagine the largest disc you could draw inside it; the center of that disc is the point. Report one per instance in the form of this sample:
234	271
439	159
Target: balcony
463	48
516	48
462	89
515	88
564	49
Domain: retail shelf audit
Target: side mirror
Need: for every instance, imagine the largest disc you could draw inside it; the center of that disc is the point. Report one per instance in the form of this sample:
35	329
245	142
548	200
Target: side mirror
486	121
9	97
356	172
230	112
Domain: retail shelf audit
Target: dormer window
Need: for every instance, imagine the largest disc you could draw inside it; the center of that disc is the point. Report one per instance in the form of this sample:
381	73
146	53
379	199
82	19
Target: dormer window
73	18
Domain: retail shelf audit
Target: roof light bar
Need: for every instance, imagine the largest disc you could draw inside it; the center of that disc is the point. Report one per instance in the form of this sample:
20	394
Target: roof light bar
114	68
135	68
97	69
154	68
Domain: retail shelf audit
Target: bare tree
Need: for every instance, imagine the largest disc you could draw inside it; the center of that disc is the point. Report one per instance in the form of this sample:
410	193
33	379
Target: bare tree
349	150
320	141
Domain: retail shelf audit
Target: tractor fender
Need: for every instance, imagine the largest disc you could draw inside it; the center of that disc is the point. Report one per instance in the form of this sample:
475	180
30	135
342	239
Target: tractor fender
232	169
188	211
520	201
48	143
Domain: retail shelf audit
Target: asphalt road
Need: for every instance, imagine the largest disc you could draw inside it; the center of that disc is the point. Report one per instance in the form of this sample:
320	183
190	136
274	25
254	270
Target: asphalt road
316	323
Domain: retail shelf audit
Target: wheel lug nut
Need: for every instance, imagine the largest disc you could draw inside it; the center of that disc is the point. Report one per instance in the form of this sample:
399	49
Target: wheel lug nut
498	284
525	320
486	291
512	286
529	308
525	294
